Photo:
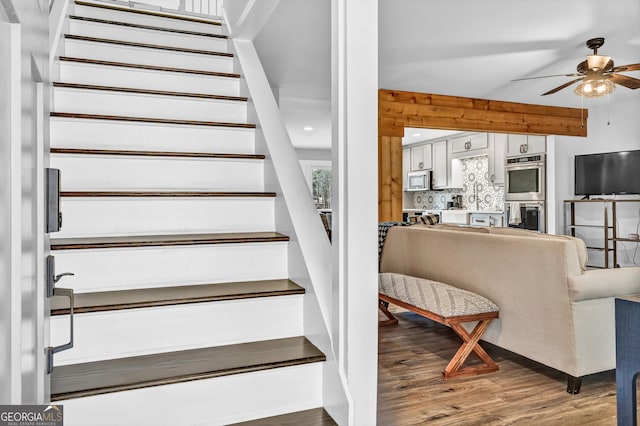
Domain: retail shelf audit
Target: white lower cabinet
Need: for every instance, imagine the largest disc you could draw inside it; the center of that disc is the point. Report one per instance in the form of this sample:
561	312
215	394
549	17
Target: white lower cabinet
486	219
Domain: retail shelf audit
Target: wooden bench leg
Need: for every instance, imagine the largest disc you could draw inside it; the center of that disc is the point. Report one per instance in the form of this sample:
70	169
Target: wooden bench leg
470	343
392	320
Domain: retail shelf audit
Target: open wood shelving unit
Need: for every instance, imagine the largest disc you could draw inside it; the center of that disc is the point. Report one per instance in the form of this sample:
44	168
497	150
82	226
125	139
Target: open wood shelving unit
610	229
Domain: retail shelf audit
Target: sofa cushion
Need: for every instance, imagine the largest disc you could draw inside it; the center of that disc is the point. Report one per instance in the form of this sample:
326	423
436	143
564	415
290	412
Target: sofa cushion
433	296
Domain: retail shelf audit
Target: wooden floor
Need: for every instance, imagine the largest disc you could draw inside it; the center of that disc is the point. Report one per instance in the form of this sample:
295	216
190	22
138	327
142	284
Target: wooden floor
411	390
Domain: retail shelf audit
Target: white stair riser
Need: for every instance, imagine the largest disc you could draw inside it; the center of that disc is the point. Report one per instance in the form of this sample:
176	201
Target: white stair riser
217	401
146	79
104	134
146	56
143	105
133	332
98	217
111	172
136	18
146	267
139	35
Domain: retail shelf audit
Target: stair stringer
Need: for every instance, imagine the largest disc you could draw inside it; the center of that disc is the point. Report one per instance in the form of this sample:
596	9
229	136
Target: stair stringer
59	25
309	258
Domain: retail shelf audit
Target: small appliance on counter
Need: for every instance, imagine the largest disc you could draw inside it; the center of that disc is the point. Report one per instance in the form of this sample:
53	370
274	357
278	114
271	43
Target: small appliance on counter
455	203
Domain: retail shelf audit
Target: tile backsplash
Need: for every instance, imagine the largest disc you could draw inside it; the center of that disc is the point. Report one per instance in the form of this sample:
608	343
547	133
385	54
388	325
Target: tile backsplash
475	172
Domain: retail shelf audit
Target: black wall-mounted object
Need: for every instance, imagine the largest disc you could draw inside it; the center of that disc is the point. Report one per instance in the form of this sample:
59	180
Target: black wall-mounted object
54	216
607	173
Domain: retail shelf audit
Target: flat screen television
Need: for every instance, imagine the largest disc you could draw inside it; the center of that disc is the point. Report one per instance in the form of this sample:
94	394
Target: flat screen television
608	173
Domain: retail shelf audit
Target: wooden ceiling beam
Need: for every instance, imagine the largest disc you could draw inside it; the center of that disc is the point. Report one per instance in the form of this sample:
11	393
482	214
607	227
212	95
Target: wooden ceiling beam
400	109
477	104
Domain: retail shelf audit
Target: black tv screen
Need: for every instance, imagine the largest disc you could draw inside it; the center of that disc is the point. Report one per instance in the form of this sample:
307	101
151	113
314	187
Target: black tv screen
608	173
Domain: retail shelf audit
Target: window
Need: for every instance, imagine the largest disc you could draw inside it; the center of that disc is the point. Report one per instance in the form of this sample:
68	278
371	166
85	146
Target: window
321	187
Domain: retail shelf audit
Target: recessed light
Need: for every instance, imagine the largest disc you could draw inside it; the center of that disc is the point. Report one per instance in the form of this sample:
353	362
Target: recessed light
308	129
415	135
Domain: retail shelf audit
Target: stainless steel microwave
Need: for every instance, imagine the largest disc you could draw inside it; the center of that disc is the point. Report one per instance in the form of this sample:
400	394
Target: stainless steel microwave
419	181
525	178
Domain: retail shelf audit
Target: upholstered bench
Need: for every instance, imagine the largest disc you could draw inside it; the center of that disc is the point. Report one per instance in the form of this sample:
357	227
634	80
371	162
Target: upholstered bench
447	305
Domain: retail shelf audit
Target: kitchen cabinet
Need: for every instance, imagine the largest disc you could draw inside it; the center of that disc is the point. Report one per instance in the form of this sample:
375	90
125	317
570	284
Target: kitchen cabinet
446	172
469	143
486	219
525	144
406	167
498	143
421	157
440	169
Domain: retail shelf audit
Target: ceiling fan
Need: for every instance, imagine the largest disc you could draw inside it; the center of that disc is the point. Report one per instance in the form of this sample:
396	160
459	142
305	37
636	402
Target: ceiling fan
597	74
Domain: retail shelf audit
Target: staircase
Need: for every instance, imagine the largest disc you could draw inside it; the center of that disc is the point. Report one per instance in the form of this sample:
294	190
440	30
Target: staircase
184	311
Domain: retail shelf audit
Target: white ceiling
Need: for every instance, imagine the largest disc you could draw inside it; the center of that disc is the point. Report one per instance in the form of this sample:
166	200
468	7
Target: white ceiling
465	48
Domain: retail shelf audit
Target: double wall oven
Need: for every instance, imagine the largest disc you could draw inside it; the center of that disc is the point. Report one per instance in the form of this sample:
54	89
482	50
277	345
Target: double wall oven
525	192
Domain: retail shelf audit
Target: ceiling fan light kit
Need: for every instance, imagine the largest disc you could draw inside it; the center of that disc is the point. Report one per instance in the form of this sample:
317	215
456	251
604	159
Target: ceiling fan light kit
599	62
595	87
597	75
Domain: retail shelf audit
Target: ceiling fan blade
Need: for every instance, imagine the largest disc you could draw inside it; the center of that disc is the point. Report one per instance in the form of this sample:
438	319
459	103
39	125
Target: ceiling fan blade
623	80
547	76
625	68
557	89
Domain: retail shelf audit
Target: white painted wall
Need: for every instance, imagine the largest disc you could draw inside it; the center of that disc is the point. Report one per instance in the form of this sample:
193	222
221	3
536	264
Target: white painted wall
622	134
300	114
24	45
9	296
313	154
234	9
354	65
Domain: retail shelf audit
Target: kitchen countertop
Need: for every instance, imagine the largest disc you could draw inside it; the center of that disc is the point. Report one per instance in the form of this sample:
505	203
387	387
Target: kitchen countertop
463	211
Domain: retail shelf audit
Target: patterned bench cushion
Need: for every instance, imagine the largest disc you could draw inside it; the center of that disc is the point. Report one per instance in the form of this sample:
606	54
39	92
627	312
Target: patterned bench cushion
441	299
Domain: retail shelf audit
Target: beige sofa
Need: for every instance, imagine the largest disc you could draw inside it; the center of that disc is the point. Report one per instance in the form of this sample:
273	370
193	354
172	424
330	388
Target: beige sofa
552	310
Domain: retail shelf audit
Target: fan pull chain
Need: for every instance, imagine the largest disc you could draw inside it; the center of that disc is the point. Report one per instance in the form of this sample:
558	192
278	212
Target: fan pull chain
608	111
582	111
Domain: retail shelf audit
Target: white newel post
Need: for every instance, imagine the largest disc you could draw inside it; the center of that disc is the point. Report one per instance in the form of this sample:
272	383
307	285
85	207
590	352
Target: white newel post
355	199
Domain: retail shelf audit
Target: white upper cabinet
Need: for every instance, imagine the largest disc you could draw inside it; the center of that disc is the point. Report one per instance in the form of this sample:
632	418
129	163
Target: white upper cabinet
440	169
536	144
421	157
498	143
525	144
471	143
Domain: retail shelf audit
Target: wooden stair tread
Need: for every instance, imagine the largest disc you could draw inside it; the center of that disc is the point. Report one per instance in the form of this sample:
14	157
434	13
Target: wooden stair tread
114	375
175	295
147	67
166	240
79	151
147	91
145	27
149	13
138	194
146	45
150	120
313	417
